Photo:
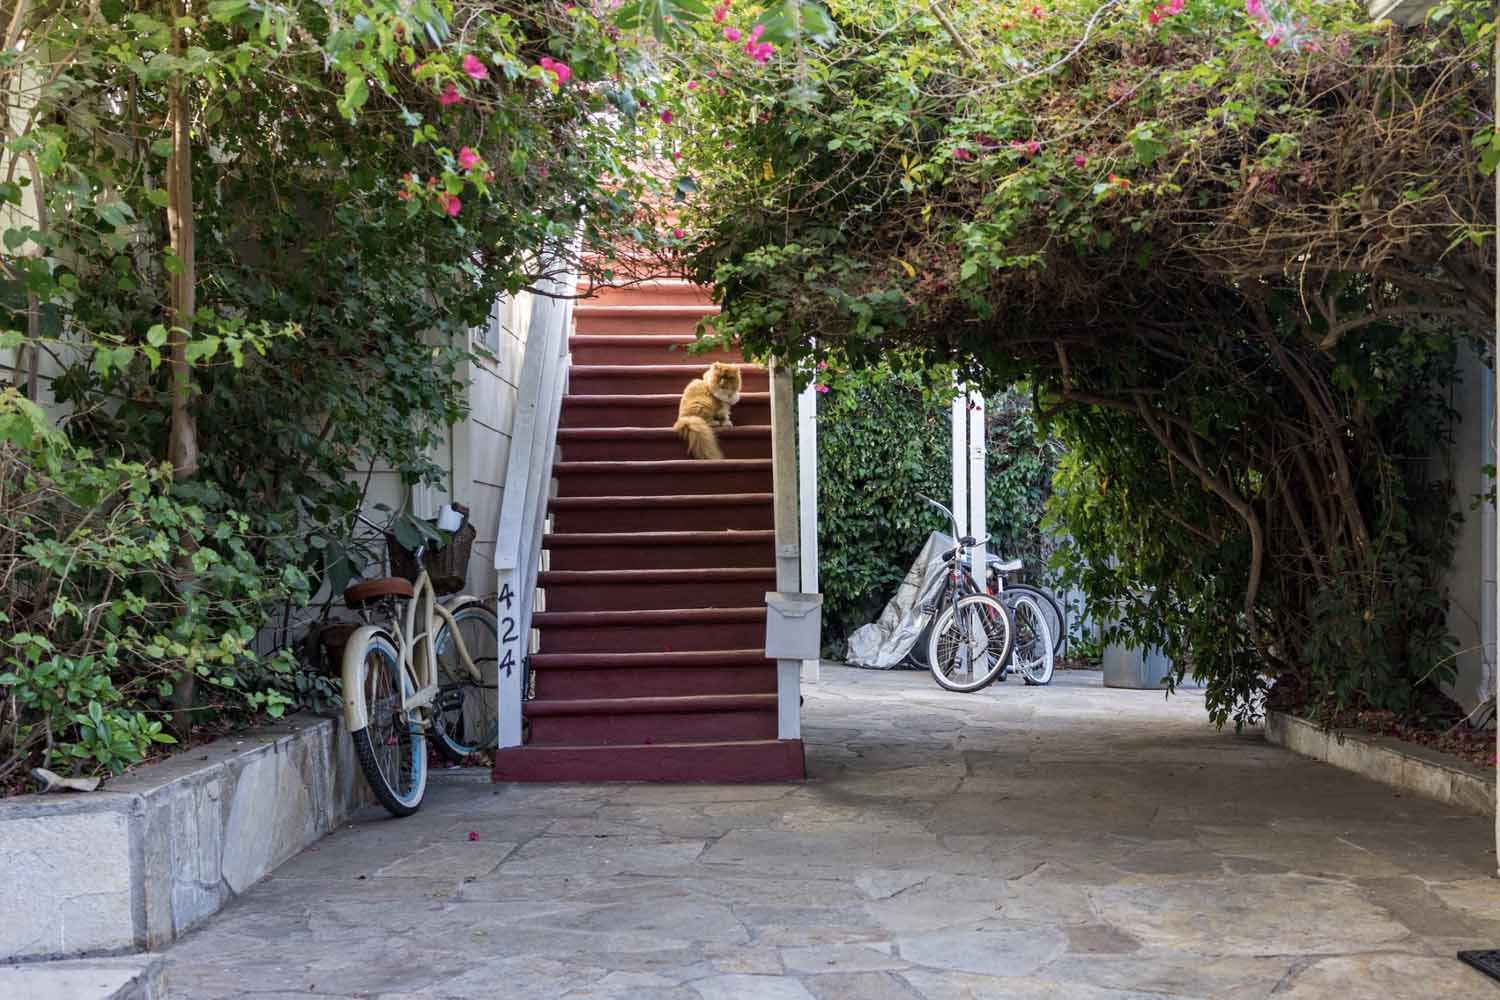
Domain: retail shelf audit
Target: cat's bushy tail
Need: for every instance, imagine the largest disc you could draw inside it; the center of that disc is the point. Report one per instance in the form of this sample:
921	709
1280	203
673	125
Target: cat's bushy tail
699	437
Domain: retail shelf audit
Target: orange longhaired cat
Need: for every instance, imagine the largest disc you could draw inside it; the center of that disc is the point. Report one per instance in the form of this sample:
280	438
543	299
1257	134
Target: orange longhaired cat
705	405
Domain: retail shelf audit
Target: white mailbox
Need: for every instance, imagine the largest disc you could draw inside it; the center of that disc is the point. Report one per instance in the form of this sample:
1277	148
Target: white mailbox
794	626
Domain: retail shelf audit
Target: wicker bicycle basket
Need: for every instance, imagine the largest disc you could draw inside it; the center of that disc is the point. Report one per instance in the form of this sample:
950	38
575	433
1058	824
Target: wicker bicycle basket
447	567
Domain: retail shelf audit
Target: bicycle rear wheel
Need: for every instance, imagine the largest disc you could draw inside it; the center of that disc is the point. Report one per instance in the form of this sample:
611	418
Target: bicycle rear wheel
1050	607
392	750
970	642
466	714
1033	655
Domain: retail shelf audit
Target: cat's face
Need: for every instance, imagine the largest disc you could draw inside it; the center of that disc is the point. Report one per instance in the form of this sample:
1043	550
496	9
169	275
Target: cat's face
723	377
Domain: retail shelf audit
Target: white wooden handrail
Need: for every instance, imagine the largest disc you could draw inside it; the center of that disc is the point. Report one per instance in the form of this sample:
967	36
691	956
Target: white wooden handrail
528	487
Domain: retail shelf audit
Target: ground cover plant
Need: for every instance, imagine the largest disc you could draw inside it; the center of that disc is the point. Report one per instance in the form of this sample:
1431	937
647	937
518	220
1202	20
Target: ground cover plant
1233	247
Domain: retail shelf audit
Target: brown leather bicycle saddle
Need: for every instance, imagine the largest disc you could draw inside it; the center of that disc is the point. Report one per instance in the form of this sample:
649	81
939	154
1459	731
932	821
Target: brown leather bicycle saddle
359	594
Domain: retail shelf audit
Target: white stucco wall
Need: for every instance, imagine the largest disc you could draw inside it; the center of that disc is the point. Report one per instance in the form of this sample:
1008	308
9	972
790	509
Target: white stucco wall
1471	581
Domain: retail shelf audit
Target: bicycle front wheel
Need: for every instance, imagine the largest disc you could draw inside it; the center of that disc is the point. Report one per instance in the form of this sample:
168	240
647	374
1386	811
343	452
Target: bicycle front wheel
466	715
1033	656
392	750
970	642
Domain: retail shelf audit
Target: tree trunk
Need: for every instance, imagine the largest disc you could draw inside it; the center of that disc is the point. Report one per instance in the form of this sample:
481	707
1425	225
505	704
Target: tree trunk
182	441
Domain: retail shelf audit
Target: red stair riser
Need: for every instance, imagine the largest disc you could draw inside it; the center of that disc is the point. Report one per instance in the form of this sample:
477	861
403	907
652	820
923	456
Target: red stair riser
641	379
630	596
652	638
643	480
649	294
646	323
663	727
660	411
622	349
749	516
661	447
696	556
766	761
650	682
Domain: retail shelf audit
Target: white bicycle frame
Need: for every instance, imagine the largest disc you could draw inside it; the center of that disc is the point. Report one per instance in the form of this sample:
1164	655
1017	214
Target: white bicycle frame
417	655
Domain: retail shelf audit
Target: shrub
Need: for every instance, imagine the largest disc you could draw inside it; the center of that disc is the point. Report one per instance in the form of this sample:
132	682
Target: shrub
114	586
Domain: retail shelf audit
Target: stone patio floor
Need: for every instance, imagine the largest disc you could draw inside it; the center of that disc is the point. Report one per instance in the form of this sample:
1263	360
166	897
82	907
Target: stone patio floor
1070	842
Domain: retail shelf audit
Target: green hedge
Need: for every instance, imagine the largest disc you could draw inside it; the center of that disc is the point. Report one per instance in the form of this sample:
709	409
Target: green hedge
883	438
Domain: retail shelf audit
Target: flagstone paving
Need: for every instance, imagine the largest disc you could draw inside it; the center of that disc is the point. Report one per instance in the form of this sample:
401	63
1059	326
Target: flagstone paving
1070	842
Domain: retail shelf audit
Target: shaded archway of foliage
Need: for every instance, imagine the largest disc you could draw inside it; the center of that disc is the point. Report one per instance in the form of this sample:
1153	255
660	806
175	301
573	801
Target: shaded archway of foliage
1232	245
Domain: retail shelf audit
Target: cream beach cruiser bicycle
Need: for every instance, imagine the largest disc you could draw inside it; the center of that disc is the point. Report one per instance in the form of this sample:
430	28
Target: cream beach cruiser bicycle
421	663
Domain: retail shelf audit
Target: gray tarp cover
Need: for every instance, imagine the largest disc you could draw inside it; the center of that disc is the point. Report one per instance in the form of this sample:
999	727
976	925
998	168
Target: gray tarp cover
885	643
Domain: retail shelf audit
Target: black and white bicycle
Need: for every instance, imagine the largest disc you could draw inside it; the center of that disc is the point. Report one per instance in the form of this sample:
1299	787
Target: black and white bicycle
971	638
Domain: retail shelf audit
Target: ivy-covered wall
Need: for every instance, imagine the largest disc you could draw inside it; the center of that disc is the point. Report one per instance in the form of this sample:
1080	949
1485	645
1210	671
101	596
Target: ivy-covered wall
882	439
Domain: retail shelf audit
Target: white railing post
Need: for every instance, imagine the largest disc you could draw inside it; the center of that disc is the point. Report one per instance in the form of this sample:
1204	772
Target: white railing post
527	486
960	459
978	516
788	556
807	508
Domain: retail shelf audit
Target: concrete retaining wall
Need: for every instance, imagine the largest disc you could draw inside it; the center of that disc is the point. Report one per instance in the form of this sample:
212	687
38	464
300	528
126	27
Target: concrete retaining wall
132	867
1410	767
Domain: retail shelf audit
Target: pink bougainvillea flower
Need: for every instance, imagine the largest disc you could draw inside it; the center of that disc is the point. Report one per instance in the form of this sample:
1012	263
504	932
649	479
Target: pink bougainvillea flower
666	117
473	835
1038	12
450	96
821	387
476	69
962	154
760	51
467	158
1255	9
731	34
677	234
1175	7
756	32
1154	17
676	157
452	205
822	366
1080	161
692	85
1033	147
720	12
1273	41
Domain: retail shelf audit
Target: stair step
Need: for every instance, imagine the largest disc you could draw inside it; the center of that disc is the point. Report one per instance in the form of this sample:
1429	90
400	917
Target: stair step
649	720
716	761
627	380
651	631
626	550
588	444
591	318
693	512
625	675
680	477
655	589
651	409
661	291
642	349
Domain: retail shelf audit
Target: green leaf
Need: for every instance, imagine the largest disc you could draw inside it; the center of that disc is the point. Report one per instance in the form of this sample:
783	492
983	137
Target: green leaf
157	335
202	348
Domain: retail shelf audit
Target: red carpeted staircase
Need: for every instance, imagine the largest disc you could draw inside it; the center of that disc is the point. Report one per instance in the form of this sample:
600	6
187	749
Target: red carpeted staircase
651	664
